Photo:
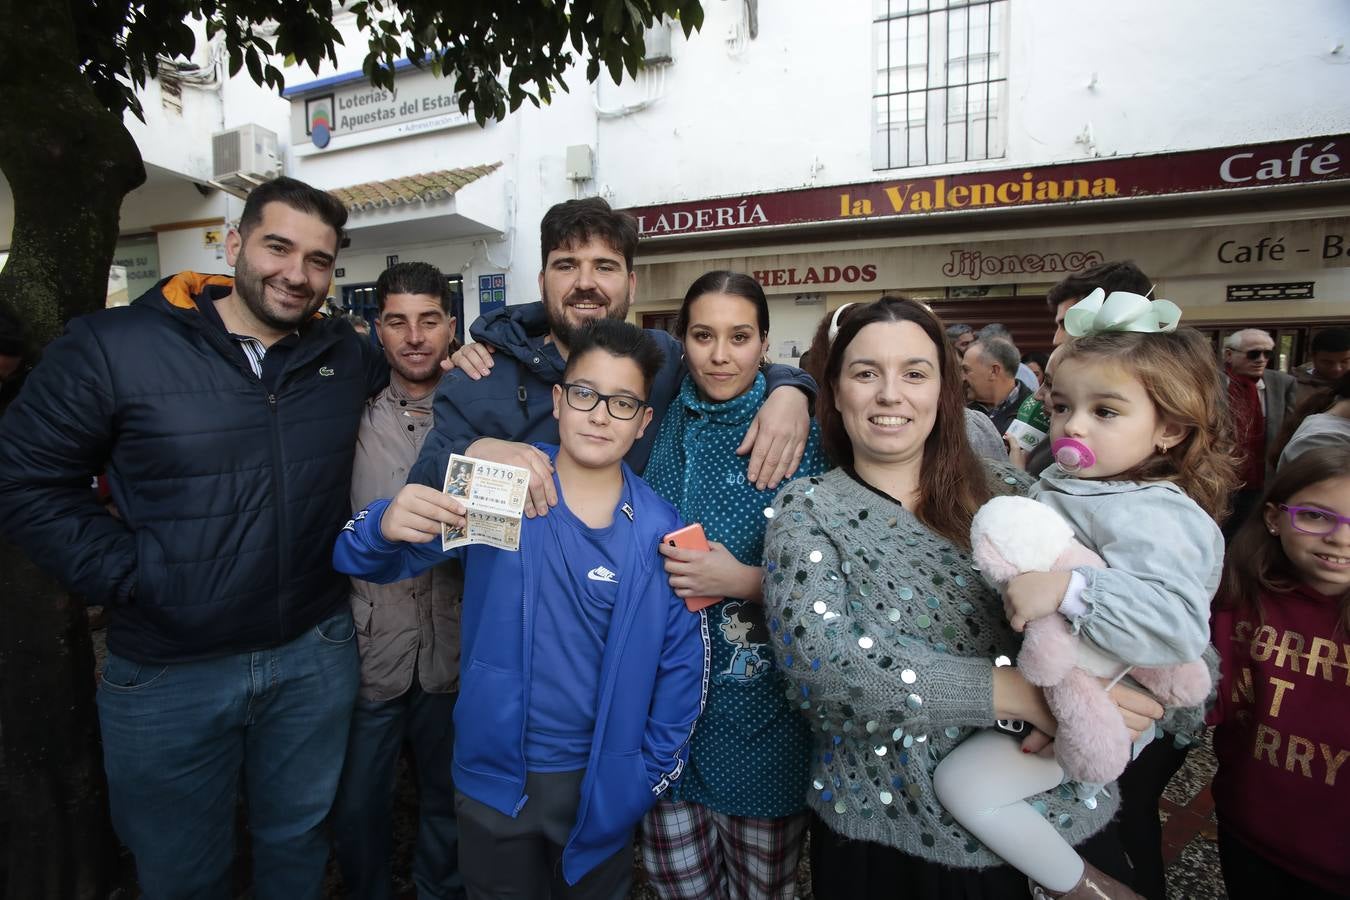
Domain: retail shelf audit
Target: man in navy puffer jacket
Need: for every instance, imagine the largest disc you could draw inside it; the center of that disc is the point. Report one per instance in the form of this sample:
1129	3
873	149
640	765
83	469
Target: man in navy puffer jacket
225	415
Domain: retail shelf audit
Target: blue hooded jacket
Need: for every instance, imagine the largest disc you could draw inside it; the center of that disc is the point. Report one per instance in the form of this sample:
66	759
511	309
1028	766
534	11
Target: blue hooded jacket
514	401
653	680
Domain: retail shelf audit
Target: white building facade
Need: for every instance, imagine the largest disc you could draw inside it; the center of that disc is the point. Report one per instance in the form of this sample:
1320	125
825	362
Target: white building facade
968	153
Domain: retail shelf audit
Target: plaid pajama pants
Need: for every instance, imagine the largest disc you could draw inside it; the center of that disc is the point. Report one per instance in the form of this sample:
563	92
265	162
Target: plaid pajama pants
692	853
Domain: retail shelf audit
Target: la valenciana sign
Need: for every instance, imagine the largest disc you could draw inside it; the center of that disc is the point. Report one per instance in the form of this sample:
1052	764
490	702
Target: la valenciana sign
1220	169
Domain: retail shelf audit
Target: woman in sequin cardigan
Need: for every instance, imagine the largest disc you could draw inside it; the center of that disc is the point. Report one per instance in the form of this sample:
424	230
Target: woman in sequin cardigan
888	635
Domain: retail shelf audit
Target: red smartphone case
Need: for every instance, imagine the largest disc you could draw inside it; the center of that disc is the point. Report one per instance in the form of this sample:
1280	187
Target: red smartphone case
691	537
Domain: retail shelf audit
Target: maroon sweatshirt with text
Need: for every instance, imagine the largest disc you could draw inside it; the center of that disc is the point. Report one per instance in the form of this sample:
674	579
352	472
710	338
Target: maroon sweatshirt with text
1283	735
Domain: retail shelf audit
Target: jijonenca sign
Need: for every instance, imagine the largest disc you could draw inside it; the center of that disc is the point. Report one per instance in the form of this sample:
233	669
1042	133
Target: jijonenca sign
974	264
1227	168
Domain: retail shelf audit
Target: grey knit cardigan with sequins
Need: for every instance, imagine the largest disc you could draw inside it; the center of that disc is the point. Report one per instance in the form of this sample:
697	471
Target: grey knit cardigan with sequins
887	636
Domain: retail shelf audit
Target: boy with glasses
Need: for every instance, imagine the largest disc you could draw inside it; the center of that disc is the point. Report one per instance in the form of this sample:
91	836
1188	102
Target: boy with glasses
581	673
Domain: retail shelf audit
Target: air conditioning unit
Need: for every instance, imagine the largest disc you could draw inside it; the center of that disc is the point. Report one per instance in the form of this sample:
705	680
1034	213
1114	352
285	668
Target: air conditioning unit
243	158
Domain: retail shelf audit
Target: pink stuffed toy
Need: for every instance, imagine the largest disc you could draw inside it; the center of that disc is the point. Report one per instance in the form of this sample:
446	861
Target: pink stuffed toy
1013	535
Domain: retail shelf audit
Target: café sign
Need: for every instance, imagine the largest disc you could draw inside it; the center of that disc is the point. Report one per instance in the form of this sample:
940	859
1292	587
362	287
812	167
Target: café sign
1221	169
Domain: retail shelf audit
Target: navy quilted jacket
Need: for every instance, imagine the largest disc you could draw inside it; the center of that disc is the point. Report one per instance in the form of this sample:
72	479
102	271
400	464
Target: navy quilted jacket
230	494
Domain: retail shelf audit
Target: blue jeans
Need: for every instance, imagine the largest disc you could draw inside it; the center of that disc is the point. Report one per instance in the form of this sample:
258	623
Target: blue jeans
363	812
178	740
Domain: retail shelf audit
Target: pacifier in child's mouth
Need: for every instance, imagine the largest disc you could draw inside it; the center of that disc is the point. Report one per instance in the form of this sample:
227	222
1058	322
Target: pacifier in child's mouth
1072	455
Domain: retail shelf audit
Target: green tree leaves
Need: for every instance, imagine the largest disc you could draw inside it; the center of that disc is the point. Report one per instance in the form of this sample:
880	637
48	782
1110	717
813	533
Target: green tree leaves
500	53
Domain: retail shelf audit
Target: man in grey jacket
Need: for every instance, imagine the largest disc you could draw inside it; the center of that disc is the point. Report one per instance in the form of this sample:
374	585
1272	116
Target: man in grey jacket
407	632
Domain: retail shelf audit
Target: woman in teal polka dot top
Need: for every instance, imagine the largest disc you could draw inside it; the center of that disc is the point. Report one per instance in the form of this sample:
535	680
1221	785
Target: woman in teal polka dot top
733	824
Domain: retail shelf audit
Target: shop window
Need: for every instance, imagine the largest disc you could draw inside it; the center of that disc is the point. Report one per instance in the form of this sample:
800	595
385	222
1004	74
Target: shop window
135	268
662	321
941	86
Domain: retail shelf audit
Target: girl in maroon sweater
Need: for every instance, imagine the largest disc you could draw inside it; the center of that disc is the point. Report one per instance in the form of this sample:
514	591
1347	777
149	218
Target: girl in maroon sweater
1282	628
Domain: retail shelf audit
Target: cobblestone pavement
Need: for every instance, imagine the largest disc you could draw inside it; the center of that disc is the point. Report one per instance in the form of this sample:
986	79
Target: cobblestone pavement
1187	807
1189	847
1189	830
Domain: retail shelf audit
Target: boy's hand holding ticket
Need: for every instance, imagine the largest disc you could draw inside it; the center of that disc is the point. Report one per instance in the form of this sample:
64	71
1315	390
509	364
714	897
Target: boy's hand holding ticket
417	514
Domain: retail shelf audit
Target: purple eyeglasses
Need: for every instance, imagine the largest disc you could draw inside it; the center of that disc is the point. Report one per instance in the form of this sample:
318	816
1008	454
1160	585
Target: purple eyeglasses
1314	519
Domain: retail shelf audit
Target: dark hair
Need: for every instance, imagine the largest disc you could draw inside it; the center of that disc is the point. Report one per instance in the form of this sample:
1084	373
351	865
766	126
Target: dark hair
1178	373
1037	357
952	483
299	197
413	278
575	222
722	281
753	615
1256	562
618	339
1331	340
1317	402
1120	275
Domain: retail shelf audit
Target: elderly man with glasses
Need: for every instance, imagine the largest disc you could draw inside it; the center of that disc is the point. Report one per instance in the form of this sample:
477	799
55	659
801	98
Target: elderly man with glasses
1258	398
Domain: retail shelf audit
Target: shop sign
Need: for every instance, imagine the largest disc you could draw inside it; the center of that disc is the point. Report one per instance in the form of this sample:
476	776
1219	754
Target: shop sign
1221	169
348	111
864	274
1247	250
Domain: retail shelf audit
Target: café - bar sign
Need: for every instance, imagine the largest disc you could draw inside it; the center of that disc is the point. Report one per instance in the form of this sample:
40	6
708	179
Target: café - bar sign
1227	168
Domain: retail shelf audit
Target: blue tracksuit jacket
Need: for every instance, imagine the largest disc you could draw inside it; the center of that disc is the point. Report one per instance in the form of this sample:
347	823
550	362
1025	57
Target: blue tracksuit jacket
653	682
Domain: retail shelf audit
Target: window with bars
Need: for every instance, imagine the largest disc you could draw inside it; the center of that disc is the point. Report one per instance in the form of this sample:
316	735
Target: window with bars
941	92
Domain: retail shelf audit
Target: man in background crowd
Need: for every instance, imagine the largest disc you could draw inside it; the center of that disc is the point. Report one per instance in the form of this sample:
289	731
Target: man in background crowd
407	632
961	336
1330	360
1024	373
989	367
1259	397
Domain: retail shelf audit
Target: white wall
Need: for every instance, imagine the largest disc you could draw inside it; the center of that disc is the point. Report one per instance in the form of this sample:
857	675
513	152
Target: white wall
177	136
793	108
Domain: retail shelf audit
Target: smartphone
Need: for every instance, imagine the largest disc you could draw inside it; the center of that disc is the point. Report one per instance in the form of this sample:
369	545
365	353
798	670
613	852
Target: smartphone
691	537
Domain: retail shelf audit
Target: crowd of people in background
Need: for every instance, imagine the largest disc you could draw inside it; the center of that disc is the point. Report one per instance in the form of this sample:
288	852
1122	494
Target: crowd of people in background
852	666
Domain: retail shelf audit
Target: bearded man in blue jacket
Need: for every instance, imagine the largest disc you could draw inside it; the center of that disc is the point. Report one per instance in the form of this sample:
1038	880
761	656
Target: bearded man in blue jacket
225	413
495	408
582	673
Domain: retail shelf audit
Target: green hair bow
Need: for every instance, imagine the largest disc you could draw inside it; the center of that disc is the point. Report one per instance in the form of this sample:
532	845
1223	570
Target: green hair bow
1122	311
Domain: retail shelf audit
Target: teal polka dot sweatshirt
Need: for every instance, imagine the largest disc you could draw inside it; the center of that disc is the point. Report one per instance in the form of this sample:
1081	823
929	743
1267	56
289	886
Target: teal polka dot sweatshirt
751	750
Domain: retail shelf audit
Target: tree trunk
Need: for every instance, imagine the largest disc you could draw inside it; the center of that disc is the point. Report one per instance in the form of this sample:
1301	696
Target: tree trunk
60	837
69	163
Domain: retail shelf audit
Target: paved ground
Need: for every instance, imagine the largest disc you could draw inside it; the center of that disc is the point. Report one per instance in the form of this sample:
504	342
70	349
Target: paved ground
1189	831
1188	835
